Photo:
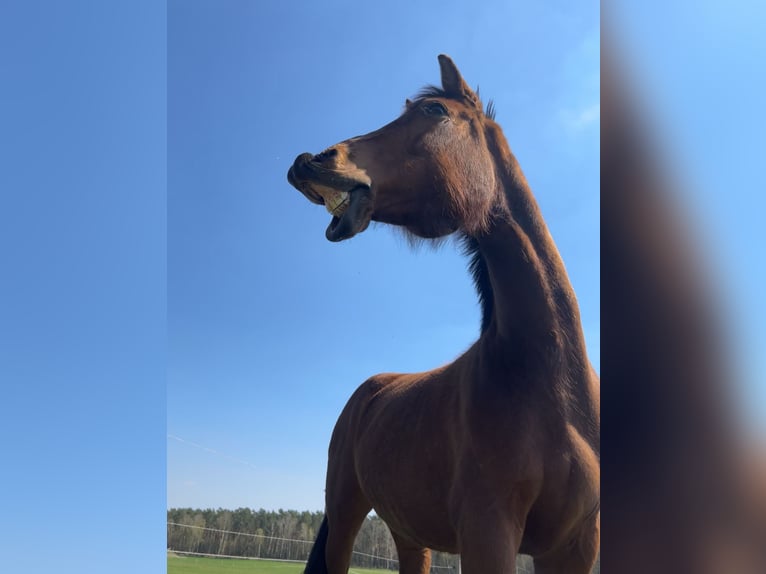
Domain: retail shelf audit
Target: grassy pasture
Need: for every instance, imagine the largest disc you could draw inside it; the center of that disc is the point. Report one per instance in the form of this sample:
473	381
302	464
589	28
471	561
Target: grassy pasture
180	564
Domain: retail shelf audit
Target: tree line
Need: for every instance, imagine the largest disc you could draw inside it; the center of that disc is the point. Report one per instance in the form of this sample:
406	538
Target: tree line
277	535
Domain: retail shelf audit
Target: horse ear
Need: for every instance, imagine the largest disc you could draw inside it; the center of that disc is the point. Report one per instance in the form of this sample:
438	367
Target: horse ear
452	82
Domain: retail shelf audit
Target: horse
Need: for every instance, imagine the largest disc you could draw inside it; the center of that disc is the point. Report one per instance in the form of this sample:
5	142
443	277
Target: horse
496	453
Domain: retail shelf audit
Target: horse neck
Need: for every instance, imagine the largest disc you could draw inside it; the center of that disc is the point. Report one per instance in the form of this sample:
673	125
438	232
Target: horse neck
534	316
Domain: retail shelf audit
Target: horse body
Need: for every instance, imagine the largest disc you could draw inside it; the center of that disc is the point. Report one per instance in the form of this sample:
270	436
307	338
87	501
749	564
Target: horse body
497	452
455	458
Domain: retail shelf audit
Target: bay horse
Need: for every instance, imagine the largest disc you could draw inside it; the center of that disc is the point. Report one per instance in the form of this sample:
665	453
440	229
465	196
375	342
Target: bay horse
496	453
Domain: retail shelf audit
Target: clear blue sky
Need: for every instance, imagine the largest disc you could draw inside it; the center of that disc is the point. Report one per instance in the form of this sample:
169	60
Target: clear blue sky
270	326
121	136
82	286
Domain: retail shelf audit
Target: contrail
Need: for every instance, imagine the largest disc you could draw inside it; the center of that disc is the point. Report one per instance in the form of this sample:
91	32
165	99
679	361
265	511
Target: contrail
213	451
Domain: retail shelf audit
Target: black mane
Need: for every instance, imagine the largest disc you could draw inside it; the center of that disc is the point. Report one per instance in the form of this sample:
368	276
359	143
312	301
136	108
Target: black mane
480	273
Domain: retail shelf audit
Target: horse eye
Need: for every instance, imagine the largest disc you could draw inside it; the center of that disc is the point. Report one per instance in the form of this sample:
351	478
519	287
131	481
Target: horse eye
435	109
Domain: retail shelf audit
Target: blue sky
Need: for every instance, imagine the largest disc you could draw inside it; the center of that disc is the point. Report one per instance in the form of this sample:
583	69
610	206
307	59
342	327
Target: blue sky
82	286
270	326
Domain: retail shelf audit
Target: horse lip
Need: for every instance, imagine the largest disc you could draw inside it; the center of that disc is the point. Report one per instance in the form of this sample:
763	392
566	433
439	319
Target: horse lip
305	174
306	171
355	219
303	186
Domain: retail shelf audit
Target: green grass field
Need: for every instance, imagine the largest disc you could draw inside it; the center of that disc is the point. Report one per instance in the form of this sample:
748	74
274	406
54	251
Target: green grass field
178	564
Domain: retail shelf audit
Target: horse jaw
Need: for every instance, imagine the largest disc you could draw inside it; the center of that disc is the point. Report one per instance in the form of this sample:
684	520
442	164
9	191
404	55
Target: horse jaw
356	217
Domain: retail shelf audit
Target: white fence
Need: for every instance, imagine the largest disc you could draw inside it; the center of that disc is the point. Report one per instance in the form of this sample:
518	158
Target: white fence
194	540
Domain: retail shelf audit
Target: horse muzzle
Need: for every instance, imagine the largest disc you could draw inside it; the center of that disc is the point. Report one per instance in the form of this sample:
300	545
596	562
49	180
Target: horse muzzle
330	172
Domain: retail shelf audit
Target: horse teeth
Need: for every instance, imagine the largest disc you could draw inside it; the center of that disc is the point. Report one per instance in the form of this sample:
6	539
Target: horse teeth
336	203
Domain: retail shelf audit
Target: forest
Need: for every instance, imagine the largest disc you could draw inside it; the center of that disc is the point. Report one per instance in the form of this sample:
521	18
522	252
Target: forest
280	535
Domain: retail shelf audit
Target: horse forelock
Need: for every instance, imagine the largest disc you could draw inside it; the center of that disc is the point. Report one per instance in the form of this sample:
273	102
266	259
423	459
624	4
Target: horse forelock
431	91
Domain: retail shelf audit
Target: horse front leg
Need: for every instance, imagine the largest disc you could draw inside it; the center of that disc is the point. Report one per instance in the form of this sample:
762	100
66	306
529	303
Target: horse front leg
490	530
578	556
346	510
489	548
413	559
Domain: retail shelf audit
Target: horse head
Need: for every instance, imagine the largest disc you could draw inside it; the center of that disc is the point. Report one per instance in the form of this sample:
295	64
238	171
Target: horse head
429	171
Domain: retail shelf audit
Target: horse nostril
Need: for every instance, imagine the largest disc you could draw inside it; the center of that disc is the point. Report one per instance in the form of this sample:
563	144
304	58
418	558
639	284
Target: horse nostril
325	155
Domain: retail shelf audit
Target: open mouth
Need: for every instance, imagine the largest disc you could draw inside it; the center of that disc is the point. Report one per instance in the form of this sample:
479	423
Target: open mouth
345	193
354	218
